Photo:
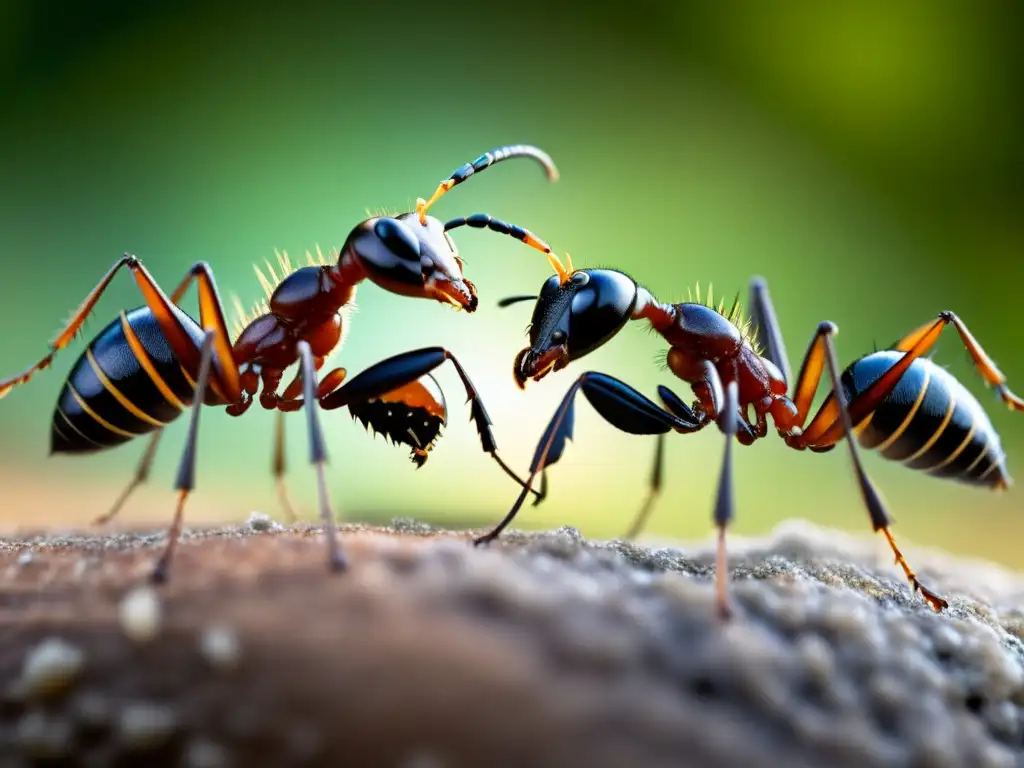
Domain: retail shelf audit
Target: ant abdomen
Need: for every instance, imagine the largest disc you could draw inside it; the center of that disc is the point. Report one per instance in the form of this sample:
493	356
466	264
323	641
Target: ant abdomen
126	383
929	422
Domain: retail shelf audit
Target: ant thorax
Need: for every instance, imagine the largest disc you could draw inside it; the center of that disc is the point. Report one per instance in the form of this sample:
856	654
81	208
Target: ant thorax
272	279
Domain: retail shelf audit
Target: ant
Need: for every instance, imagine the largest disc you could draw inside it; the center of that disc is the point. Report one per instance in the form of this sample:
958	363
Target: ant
152	363
895	401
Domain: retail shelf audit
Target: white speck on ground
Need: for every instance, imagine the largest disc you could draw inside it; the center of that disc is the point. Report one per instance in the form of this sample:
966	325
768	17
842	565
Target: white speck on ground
261	522
51	667
141	614
220	647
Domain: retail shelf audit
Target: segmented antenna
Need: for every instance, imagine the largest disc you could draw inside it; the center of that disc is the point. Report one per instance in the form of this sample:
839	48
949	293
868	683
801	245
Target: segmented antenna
486	160
485	221
508	301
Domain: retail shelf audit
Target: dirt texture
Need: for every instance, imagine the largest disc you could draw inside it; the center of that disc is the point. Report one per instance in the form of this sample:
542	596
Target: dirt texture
544	650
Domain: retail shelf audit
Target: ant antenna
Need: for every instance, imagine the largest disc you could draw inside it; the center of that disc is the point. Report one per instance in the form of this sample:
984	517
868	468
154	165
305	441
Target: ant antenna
486	221
508	301
486	160
563	272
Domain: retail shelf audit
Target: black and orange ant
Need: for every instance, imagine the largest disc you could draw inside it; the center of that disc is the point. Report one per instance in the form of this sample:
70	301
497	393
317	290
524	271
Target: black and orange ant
895	401
151	363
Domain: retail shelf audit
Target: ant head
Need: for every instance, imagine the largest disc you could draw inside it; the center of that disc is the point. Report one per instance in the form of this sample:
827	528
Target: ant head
575	313
411	256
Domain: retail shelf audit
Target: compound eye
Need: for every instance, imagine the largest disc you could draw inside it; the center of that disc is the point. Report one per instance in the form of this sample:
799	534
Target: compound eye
558	337
579	278
398	239
599	309
427	265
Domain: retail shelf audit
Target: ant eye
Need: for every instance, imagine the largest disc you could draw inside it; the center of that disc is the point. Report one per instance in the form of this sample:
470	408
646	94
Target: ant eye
580	278
600	306
558	337
426	265
397	238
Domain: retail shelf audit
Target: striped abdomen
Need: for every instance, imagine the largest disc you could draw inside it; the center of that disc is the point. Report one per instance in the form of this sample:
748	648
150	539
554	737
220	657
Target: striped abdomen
928	422
126	383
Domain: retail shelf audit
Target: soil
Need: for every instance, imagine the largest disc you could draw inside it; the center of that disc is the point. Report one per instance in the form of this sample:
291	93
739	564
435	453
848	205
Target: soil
546	650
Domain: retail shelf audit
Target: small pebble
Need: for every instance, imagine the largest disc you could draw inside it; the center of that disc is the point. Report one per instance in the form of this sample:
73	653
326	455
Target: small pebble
260	522
220	647
44	737
25	557
140	614
143	726
51	667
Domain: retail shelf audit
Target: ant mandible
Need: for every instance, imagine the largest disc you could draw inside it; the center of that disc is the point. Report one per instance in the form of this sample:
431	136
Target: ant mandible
146	367
895	401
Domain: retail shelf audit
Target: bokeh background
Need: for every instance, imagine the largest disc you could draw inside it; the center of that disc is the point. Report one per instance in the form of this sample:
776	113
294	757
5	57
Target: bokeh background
866	157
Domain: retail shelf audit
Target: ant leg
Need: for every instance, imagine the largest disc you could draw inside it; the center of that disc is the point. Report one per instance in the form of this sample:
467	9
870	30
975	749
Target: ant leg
820	437
329	383
71	328
145	464
278	464
986	367
225	378
185	481
675	405
318	455
769	335
278	467
826	427
270	380
141	475
397	371
249	380
618	403
294	389
873	501
652	493
725	503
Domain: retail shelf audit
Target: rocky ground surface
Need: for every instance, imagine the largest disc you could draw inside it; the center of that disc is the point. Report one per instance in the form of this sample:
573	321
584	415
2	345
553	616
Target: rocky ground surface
547	650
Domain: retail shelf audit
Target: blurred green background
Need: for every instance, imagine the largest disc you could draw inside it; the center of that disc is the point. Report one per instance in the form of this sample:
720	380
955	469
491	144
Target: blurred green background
865	157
